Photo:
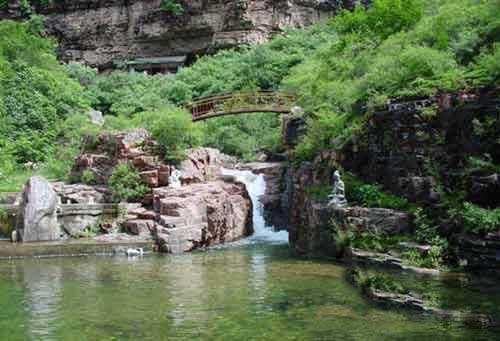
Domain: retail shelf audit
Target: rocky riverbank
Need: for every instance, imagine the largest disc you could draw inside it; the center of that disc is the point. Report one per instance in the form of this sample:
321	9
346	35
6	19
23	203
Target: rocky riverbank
201	210
413	156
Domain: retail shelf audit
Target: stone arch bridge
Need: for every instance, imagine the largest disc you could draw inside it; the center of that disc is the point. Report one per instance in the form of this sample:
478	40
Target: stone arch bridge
241	103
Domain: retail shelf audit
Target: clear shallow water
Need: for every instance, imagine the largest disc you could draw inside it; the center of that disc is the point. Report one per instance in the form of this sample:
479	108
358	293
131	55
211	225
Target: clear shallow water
249	292
254	289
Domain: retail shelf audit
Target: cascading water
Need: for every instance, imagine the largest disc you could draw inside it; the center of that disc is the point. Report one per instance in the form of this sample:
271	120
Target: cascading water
256	187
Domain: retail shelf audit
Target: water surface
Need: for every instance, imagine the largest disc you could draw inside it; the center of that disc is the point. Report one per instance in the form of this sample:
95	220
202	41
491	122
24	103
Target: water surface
255	289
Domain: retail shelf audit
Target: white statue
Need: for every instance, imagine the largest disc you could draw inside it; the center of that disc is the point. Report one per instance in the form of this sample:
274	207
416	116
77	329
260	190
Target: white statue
337	197
174	179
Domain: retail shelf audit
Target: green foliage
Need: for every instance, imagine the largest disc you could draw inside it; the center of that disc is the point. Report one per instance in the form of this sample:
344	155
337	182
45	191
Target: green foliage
347	236
370	195
173	129
395	49
126	184
36	96
172	6
481	166
486	69
368	281
476	219
325	130
383	18
319	193
4	4
373	241
426	230
343	239
122	93
6	225
34	90
434	258
88	177
244	136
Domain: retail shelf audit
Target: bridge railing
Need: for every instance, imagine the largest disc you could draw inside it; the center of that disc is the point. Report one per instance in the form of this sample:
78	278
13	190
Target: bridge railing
241	102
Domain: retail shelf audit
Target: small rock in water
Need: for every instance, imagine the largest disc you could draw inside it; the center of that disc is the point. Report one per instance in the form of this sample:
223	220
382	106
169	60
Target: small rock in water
135	252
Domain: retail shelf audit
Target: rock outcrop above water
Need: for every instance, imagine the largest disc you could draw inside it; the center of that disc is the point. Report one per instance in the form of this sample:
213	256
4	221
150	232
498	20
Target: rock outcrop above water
138	148
201	215
37	218
421	150
101	33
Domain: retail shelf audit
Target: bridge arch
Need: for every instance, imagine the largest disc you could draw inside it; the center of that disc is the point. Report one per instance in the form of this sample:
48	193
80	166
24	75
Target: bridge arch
241	103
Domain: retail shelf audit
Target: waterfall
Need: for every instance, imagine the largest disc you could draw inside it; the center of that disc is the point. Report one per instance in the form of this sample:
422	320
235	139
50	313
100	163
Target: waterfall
256	187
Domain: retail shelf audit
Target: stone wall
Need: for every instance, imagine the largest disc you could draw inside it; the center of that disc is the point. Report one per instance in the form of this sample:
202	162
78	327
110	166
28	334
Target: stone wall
418	149
101	32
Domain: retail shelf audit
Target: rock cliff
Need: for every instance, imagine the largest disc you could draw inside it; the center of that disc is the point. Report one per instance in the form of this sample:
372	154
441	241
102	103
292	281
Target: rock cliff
100	32
419	149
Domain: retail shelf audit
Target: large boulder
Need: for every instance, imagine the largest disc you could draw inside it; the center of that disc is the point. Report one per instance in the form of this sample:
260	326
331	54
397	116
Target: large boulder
377	220
203	164
200	215
37	218
483	190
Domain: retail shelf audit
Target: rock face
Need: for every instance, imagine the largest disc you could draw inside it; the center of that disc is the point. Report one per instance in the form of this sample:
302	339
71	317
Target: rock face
377	220
81	193
101	32
416	149
293	129
480	252
203	164
139	149
37	219
201	215
312	222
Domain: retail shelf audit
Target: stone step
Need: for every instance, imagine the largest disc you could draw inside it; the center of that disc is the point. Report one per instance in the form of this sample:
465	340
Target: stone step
174	221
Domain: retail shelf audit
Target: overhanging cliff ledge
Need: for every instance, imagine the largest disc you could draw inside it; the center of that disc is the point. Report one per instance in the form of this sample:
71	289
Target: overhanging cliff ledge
100	33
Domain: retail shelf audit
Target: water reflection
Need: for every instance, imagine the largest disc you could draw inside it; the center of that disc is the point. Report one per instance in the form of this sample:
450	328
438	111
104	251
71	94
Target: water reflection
255	291
43	297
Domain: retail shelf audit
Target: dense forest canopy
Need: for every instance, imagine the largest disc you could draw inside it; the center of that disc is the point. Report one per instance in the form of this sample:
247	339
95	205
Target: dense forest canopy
340	70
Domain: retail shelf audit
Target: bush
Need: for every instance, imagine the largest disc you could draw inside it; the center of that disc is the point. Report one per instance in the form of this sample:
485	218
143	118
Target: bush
172	6
325	130
434	258
88	177
394	49
126	184
173	129
368	281
369	195
476	219
36	93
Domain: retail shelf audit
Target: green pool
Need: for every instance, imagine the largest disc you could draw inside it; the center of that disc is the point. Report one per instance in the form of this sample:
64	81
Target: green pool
255	291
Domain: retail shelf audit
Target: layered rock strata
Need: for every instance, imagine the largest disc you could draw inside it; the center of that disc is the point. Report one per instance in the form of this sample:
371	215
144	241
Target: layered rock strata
101	33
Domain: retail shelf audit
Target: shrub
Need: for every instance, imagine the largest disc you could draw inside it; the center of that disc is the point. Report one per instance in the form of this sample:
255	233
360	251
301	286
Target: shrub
126	184
172	6
426	230
368	281
434	258
343	239
370	195
88	177
476	219
173	129
319	193
36	94
325	130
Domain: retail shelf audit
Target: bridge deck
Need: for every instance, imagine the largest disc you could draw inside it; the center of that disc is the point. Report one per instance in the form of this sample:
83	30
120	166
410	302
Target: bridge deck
240	103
